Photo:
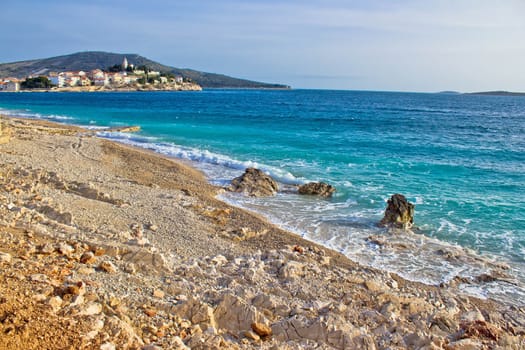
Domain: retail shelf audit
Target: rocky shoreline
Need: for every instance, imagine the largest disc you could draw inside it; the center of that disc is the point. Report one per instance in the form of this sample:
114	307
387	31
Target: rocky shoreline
108	247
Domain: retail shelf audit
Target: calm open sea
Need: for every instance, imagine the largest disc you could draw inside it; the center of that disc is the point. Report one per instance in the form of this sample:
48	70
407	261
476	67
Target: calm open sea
459	158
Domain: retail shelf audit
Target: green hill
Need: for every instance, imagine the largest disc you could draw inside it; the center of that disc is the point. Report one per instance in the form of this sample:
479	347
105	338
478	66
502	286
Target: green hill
95	59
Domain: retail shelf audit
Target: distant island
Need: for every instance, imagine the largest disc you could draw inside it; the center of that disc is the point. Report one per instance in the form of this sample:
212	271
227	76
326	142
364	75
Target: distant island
449	92
87	63
487	93
498	93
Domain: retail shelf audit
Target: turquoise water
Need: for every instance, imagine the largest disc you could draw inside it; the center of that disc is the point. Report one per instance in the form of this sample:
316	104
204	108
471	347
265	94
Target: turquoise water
459	158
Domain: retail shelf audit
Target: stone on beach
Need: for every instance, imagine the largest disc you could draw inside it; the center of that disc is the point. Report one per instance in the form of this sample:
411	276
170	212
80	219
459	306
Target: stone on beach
108	266
5	257
235	315
261	329
88	258
317	189
254	183
399	213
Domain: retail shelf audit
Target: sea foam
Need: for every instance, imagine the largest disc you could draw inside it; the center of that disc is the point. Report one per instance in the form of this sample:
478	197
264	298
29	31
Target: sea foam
200	156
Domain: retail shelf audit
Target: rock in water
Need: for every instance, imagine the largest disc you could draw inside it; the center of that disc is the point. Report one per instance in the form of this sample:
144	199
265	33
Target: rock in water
399	213
254	183
317	188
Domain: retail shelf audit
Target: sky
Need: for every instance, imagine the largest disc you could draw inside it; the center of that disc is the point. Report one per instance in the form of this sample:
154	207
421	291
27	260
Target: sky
387	45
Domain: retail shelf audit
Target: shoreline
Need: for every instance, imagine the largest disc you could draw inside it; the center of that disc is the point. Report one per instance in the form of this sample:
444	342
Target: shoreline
414	255
226	256
177	87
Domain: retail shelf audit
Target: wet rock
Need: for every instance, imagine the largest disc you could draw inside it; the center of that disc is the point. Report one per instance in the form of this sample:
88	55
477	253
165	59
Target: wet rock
399	213
254	183
317	189
126	129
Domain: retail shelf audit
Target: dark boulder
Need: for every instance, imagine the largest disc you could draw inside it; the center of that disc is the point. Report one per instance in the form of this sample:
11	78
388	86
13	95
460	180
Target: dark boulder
317	189
254	183
399	213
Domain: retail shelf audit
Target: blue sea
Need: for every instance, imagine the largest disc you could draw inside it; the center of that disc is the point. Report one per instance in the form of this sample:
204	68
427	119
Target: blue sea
459	158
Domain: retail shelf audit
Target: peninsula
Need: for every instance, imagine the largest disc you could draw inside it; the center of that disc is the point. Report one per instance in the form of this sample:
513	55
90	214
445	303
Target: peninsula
94	70
118	77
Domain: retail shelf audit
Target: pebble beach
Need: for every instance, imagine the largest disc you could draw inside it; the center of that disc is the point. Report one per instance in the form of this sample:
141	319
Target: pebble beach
105	246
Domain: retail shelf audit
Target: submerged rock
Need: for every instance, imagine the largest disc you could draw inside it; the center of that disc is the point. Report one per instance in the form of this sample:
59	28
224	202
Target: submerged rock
254	183
399	213
126	129
317	188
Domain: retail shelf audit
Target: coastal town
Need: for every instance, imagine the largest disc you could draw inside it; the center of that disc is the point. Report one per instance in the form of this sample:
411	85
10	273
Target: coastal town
125	76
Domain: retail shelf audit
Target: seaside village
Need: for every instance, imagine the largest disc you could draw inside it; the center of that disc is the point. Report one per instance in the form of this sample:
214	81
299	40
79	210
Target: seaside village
123	76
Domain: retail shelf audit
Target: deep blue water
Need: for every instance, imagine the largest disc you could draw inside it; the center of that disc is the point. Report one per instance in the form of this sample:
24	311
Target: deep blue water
459	158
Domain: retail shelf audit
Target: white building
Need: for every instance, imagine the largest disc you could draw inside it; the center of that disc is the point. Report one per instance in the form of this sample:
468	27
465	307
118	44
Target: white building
12	86
73	80
9	84
57	79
